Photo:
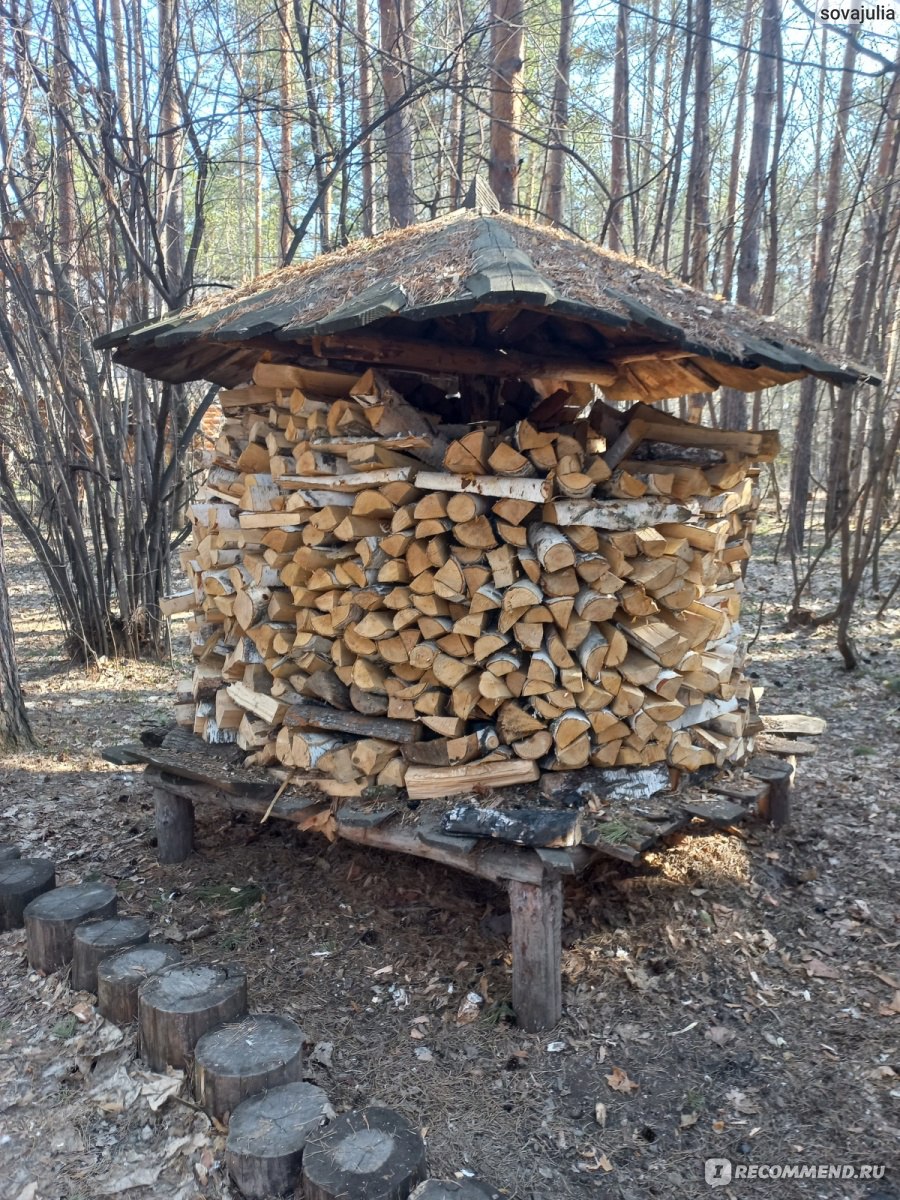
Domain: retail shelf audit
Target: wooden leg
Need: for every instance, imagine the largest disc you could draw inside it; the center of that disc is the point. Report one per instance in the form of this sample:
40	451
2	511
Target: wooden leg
536	910
174	826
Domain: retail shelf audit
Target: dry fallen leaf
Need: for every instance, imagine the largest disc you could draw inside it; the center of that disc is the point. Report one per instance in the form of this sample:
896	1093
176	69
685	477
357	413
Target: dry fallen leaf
817	969
600	1114
689	1119
619	1081
720	1034
892	1008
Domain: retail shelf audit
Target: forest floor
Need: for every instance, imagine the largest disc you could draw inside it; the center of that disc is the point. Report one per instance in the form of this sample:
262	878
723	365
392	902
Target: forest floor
737	998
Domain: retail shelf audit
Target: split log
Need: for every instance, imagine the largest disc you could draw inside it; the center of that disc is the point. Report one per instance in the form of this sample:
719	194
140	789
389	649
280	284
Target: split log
8	851
519	826
614	514
51	921
178	1005
239	1060
97	940
553	549
793	723
316	716
532	490
430	783
370	1154
120	975
267	1135
21	881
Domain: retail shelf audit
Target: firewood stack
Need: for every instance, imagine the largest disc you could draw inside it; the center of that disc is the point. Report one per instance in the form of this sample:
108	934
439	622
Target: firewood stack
382	599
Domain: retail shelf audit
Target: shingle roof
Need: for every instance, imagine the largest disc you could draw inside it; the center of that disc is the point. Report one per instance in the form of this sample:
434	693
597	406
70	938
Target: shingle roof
521	298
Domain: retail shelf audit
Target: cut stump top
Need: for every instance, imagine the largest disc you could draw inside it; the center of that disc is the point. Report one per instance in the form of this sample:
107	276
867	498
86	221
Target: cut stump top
190	987
79	900
260	1042
278	1121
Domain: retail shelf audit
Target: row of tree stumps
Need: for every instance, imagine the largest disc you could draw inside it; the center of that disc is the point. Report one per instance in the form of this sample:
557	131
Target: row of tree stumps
247	1068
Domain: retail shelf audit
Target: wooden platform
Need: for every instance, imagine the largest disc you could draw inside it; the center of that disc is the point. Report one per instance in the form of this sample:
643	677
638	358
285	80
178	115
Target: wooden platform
184	770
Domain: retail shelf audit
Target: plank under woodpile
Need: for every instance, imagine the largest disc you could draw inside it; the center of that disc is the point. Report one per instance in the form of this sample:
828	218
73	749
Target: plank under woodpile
381	600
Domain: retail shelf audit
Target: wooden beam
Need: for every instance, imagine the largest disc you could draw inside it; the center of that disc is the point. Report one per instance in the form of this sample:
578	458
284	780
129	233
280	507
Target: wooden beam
441	358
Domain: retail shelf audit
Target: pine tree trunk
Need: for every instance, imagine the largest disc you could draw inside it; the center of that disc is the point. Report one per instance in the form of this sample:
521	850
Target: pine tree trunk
364	91
15	732
398	139
619	131
823	267
559	117
734	403
507	62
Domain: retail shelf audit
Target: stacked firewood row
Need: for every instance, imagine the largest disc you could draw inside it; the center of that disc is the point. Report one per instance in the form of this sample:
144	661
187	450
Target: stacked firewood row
383	599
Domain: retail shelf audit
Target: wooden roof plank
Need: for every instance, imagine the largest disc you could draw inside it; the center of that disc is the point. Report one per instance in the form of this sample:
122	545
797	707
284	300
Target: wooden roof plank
382	299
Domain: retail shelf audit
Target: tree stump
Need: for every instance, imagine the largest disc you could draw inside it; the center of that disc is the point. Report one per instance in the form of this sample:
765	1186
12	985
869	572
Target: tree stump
180	1004
96	940
51	921
120	976
371	1154
463	1189
21	881
775	806
267	1135
8	851
174	826
238	1061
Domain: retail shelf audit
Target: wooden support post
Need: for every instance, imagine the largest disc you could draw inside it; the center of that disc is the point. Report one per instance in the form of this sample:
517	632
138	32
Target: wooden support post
536	910
174	826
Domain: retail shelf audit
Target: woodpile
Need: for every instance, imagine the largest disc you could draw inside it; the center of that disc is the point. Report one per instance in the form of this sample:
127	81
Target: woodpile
380	599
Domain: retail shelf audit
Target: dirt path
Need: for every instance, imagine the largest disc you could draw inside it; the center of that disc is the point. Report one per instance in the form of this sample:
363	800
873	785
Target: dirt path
749	988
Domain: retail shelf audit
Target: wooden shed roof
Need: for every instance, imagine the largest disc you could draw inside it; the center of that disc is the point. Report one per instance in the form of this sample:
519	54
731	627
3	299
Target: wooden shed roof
474	294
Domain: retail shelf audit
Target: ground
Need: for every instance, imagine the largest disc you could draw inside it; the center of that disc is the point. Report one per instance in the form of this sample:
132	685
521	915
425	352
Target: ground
737	998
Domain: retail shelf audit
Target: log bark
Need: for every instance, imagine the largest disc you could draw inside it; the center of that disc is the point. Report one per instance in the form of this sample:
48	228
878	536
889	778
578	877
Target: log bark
238	1061
316	716
21	881
97	940
120	975
373	1152
267	1135
8	851
180	1004
518	826
51	921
